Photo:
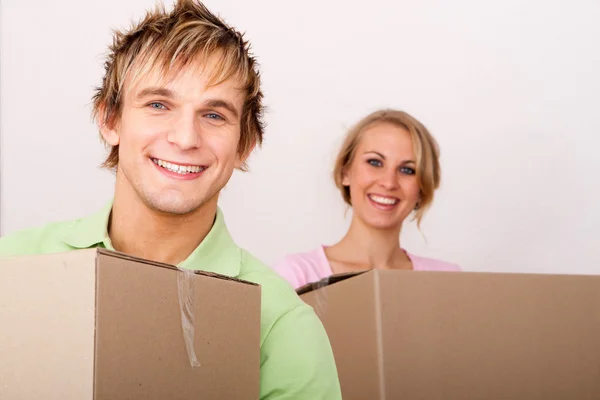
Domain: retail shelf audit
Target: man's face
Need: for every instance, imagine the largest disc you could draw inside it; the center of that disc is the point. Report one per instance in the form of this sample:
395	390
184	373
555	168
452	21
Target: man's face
178	139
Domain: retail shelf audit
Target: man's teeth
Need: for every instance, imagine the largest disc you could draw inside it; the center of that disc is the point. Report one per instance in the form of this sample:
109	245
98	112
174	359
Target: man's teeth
383	200
180	169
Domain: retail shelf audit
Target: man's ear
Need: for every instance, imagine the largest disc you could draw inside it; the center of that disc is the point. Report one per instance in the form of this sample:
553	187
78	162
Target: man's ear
107	129
241	158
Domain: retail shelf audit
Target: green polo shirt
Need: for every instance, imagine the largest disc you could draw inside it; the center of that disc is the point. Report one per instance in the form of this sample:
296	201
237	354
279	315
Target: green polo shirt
296	361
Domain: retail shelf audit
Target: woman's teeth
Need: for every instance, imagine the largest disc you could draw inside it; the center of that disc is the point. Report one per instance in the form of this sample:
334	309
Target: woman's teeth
383	200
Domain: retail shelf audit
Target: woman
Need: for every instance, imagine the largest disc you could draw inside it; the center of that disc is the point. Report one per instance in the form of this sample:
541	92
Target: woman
386	170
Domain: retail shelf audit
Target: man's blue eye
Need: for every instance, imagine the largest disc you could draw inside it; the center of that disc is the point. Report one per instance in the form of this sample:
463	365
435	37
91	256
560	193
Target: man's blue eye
214	116
157	106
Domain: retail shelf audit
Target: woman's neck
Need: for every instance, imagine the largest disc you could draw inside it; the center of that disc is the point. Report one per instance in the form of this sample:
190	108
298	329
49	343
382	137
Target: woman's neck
364	247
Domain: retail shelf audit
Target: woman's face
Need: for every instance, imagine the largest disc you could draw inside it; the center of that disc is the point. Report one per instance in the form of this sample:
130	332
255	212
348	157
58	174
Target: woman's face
382	179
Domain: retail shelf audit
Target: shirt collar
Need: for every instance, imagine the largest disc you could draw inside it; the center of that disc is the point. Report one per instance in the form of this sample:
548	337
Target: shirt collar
217	253
90	231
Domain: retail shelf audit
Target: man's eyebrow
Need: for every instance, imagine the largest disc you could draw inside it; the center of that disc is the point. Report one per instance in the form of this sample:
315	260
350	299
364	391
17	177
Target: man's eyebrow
156	91
170	94
219	103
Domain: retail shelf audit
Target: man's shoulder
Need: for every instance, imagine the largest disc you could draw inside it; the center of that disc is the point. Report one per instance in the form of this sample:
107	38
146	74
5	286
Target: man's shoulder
296	356
278	296
254	270
37	240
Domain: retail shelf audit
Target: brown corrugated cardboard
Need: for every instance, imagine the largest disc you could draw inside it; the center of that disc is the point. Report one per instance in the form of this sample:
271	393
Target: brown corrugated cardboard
462	335
95	324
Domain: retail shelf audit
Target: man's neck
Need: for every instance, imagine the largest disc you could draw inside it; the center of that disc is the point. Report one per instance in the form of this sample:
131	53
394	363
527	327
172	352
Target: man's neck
140	231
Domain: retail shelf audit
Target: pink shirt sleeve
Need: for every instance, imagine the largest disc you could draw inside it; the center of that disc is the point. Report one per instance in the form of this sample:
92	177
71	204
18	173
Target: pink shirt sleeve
302	268
431	264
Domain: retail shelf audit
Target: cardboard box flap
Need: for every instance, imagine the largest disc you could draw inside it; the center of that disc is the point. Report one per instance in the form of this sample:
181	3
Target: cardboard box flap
95	324
185	292
123	256
328	280
469	335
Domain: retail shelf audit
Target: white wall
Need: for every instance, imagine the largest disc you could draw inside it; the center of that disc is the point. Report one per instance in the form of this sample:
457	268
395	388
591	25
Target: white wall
509	88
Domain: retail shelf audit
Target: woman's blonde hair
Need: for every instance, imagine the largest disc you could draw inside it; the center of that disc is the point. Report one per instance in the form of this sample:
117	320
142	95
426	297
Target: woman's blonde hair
425	148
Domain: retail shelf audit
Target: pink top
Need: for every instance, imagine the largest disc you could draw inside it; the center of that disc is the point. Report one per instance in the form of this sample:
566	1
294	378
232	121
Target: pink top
302	268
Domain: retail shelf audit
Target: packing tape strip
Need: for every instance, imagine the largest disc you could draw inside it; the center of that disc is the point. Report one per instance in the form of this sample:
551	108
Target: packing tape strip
185	290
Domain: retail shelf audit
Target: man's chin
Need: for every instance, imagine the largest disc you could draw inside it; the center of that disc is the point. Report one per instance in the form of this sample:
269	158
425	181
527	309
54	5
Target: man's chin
177	202
178	207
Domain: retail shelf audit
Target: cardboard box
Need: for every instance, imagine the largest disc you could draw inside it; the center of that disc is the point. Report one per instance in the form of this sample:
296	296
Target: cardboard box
94	324
461	335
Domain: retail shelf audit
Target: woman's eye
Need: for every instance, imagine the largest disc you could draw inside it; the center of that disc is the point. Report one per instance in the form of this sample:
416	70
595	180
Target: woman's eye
407	170
375	163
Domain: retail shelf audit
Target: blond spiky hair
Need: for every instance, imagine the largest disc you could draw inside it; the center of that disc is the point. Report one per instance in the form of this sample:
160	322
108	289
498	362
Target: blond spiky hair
171	41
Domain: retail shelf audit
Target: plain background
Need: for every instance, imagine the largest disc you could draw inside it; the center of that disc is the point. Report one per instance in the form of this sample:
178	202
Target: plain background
509	88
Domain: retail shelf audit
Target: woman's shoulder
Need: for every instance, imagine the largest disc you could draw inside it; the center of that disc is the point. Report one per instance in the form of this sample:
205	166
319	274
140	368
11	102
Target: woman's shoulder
303	267
431	264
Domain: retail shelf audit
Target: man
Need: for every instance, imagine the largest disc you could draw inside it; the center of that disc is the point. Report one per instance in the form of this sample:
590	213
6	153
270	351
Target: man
180	107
